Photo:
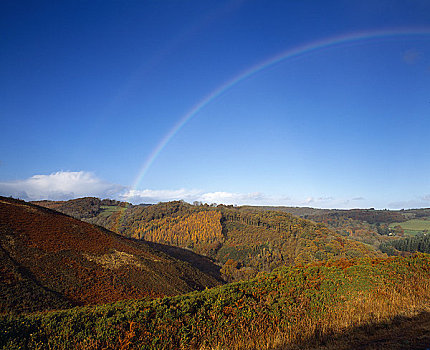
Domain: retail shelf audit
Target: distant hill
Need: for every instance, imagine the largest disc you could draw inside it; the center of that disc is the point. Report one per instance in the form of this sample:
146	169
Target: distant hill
245	240
378	228
371	215
50	260
82	208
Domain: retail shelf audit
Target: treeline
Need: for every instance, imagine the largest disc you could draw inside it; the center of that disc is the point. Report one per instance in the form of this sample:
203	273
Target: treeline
281	222
419	243
82	208
370	216
373	217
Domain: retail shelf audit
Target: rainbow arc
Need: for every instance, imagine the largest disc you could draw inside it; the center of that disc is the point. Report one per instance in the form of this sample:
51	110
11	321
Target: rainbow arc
298	51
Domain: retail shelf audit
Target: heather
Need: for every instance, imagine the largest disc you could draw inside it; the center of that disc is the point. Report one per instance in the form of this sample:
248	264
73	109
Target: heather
291	305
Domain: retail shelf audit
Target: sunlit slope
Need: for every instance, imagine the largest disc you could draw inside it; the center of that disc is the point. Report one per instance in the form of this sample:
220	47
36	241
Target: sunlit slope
370	226
50	260
307	306
244	240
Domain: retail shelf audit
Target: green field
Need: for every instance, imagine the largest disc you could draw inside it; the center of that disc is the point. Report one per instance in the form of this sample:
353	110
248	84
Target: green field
414	226
108	210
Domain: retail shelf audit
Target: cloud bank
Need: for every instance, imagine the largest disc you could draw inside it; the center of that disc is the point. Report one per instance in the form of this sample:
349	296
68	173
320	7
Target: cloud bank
155	196
61	185
64	185
418	202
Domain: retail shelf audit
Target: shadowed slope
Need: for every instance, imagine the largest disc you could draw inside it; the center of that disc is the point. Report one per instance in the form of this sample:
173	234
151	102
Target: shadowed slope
57	261
200	262
399	333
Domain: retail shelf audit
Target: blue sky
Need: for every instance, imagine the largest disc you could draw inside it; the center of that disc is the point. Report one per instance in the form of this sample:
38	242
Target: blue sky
89	90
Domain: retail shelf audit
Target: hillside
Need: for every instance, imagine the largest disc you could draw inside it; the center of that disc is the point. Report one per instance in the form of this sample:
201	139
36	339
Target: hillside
348	304
378	228
82	208
50	260
244	240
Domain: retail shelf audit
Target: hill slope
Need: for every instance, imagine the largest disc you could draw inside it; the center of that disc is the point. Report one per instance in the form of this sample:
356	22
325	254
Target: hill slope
370	226
317	306
245	240
50	260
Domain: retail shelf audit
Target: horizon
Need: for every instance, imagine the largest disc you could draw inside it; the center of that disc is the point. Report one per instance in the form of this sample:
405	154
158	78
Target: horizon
199	203
321	105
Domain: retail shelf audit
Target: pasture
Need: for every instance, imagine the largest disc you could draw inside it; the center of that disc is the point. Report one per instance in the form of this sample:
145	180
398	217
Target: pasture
414	226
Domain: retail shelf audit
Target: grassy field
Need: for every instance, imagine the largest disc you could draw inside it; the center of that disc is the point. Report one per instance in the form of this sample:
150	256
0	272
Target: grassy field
293	305
108	210
414	226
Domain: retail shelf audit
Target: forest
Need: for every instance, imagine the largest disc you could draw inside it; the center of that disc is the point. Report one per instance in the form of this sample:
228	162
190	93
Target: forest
419	243
242	240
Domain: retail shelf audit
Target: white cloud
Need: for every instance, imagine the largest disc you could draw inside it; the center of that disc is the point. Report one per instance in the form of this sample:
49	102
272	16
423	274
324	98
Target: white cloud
64	185
221	197
155	196
419	202
328	202
61	185
233	198
311	200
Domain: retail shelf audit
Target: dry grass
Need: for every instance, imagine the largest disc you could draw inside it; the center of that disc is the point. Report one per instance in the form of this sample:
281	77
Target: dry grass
384	318
115	260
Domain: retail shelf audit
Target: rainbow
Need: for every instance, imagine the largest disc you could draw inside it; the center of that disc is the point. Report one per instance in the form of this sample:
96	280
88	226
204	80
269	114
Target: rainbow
281	57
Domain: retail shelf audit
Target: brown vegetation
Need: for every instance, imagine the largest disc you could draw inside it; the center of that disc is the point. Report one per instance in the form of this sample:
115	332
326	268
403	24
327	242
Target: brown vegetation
50	260
329	305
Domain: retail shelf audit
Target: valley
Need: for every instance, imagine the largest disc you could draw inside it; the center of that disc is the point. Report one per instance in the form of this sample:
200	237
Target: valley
182	276
243	240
